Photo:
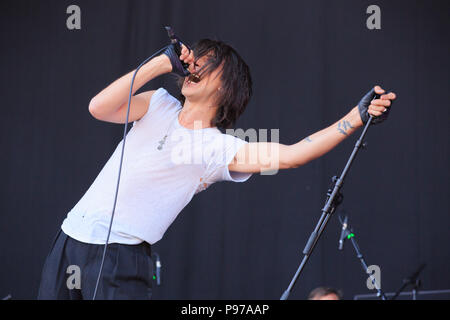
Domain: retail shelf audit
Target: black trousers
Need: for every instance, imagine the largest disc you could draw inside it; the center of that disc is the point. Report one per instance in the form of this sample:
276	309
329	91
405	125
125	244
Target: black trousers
71	269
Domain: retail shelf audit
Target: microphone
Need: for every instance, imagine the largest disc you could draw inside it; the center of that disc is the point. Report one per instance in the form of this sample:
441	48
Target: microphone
173	39
343	232
176	43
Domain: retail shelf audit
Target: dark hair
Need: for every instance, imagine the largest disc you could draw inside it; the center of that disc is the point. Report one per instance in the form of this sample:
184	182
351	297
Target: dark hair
324	291
236	88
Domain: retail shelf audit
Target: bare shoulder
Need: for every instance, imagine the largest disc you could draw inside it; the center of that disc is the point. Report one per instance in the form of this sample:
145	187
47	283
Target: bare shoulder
147	95
141	103
143	97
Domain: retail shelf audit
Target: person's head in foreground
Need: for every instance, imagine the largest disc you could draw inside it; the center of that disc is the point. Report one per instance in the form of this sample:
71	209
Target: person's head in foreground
325	293
220	79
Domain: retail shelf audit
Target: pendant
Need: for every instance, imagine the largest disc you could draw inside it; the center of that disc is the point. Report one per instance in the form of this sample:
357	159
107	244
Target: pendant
161	143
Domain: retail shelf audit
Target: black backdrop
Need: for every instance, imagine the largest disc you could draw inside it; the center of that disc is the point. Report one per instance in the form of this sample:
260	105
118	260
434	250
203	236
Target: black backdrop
311	62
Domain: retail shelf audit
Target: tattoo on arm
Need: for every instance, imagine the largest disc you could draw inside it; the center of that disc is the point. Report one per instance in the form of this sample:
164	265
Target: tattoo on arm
343	126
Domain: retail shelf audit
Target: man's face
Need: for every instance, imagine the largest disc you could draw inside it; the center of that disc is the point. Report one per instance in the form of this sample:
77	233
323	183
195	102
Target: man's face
204	91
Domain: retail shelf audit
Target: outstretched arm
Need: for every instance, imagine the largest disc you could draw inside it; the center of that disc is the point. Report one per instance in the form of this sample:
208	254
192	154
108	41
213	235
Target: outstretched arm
266	156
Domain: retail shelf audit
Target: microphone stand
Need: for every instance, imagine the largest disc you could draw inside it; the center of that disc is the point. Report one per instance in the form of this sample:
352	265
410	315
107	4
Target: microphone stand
333	199
412	280
351	235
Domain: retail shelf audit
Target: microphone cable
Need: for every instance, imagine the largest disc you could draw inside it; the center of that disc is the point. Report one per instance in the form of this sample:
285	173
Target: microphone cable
120	165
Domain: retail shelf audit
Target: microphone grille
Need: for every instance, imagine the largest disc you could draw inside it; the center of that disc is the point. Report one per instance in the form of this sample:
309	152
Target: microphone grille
170	32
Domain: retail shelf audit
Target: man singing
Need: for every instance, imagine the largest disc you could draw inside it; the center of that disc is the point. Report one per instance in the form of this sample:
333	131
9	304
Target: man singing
173	151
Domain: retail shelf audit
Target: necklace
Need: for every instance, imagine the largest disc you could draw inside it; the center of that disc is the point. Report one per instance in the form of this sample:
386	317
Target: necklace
163	140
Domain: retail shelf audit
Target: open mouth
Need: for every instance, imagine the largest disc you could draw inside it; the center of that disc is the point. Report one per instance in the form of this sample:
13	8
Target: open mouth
193	78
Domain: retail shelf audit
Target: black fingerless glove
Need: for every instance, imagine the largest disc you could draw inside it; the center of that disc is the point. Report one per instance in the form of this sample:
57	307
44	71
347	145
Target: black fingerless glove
364	104
178	67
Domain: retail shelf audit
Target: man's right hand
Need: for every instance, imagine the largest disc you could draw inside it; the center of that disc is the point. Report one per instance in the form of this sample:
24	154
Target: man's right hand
176	61
187	56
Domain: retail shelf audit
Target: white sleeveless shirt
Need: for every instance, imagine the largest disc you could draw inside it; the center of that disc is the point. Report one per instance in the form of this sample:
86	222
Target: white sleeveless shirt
155	185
